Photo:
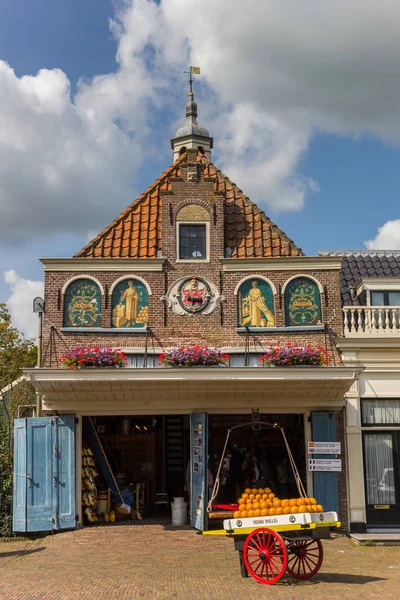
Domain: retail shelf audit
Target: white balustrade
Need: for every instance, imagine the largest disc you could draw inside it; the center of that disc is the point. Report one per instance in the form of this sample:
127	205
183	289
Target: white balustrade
371	320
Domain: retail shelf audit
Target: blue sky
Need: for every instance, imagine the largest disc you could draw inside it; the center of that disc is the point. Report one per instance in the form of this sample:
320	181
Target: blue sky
310	132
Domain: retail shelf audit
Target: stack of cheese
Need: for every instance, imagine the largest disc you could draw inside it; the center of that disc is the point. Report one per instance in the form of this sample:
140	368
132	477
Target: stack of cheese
262	502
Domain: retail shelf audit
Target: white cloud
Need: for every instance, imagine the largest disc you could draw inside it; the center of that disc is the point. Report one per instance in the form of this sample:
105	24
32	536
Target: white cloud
273	73
19	303
387	238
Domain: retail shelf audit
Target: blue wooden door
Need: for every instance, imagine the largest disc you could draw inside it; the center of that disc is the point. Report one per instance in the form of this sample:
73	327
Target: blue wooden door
325	483
198	470
44	474
64	472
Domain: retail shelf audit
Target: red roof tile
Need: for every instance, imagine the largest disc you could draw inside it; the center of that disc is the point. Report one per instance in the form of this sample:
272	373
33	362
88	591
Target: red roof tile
136	232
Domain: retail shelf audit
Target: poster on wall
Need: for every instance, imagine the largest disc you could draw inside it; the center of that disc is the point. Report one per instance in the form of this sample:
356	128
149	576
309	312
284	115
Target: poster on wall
325	464
324	448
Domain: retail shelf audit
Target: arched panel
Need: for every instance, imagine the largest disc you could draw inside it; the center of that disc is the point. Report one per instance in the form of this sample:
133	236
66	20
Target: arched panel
302	303
82	304
130	304
193	212
255	304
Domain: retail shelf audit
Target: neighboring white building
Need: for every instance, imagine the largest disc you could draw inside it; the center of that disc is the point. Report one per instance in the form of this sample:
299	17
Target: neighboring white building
370	289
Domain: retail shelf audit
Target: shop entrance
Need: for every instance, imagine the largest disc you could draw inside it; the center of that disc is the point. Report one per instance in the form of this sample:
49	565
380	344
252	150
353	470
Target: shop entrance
256	458
382	477
138	461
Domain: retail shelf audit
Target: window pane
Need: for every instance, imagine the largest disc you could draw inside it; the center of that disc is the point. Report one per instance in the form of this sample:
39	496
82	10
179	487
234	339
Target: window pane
380	412
377	299
379	471
192	242
394	298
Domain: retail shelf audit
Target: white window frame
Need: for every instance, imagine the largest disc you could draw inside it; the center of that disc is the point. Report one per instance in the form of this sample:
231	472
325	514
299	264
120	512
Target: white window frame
376	284
193	260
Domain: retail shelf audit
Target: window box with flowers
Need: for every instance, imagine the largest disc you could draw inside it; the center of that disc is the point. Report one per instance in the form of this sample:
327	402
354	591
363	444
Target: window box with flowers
193	356
293	355
84	358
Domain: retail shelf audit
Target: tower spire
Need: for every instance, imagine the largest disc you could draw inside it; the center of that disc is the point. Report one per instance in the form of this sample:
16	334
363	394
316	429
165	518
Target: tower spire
191	135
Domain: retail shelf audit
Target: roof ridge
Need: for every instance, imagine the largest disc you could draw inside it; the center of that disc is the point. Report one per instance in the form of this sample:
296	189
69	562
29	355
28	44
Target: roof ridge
132	205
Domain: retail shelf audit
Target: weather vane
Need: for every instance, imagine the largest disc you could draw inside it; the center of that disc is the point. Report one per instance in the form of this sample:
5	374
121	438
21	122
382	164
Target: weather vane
192	71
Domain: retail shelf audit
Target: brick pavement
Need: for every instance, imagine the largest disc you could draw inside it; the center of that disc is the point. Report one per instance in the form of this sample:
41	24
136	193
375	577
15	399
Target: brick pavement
152	562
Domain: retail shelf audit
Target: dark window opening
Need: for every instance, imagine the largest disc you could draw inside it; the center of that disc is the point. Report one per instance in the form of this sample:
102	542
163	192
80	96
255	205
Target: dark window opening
192	242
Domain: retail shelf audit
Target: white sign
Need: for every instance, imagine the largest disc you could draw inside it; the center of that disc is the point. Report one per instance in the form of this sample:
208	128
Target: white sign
324	448
325	464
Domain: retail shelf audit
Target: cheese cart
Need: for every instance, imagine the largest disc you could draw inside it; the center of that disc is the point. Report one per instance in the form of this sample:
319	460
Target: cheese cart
271	544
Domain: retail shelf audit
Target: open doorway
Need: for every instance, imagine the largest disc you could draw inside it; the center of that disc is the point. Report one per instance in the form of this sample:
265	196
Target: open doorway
132	466
256	458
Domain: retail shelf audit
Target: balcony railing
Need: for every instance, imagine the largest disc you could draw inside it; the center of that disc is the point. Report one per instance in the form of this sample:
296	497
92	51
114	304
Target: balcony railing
371	320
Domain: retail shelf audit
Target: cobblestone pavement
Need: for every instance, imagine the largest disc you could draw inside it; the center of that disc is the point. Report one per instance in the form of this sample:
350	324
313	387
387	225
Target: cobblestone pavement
151	561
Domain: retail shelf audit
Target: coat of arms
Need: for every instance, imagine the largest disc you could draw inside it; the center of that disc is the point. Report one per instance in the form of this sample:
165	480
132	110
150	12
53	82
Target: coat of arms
189	296
194	294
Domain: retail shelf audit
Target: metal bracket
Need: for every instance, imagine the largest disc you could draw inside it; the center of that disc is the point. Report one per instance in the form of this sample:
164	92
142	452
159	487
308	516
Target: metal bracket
256	418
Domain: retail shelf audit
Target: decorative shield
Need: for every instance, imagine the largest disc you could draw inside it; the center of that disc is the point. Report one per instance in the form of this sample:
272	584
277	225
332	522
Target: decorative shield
194	294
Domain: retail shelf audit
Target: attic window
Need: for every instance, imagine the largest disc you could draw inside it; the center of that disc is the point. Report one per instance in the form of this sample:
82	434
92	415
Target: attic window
182	150
192	242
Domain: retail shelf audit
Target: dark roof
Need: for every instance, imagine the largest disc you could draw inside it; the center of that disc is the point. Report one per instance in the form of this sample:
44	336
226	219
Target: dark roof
366	266
136	232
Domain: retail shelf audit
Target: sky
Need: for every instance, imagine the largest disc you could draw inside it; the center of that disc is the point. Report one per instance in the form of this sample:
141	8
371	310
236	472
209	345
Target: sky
302	100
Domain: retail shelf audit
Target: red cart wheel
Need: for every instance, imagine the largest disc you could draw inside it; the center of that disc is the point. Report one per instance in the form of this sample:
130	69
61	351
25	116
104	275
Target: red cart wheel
304	557
265	555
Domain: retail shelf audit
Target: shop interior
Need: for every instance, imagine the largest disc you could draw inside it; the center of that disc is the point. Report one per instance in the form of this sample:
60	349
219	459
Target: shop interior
257	456
134	466
133	461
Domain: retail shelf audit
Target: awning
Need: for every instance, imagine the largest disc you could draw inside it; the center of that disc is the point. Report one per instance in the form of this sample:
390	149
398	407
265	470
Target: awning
174	391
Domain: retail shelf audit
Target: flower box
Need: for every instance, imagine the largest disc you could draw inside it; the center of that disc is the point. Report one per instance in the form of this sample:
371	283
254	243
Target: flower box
86	358
293	355
193	356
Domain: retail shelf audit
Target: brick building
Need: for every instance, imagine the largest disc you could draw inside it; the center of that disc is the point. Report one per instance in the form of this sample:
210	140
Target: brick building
192	260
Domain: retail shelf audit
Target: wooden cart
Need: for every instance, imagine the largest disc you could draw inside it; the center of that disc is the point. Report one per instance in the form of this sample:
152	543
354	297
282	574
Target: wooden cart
270	546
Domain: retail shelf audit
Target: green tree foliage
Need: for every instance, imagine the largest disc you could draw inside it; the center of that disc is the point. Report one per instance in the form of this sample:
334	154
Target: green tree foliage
15	352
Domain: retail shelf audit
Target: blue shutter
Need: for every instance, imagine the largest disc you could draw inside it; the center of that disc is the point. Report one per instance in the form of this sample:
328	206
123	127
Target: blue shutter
44	474
64	472
20	473
198	466
325	484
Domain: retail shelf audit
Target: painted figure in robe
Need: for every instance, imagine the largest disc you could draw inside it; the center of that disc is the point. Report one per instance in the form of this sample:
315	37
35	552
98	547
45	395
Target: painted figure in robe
131	298
256	310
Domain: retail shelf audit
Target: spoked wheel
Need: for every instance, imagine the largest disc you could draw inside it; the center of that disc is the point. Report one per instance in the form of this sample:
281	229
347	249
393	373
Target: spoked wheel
265	555
304	557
